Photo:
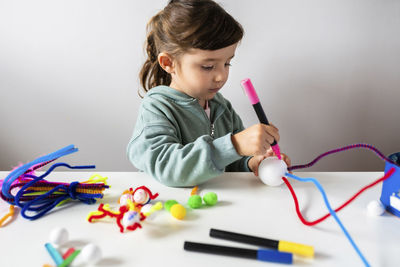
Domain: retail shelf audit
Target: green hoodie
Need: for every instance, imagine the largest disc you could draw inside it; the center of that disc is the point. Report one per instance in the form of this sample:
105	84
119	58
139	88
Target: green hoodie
175	142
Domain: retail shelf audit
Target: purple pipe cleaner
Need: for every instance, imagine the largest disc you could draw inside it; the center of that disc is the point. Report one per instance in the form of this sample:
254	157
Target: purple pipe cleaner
340	149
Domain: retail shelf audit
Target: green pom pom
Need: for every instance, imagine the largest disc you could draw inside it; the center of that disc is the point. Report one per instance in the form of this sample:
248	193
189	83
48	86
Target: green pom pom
194	202
210	198
169	203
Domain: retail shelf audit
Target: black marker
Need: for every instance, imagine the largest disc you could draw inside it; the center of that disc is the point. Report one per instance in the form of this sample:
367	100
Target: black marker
260	254
252	95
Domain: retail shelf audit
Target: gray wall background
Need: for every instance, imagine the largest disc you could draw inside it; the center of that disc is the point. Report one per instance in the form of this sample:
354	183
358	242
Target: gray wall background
327	73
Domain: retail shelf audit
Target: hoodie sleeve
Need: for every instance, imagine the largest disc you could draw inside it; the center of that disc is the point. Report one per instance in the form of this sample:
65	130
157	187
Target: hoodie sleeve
156	149
240	165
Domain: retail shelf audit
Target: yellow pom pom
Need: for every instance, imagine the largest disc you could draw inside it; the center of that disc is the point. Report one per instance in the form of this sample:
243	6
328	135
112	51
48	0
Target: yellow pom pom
178	211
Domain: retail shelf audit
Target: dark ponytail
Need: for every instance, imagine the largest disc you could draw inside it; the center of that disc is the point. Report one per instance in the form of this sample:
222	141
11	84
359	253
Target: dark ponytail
151	73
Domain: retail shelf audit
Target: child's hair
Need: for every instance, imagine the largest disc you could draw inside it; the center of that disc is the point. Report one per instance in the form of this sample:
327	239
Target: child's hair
180	26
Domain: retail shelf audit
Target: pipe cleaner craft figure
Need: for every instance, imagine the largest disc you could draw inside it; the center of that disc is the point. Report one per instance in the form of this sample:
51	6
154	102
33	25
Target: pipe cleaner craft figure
130	213
141	196
38	196
272	171
391	181
128	216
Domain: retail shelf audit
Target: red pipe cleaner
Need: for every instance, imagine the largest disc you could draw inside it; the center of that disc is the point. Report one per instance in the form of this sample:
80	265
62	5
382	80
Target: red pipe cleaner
311	223
151	196
122	210
134	226
103	214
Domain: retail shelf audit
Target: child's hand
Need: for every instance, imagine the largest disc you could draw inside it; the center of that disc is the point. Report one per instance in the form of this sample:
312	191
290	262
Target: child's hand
255	140
286	159
254	163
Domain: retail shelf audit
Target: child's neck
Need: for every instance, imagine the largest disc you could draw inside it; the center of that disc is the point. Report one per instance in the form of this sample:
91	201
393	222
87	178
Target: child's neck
203	103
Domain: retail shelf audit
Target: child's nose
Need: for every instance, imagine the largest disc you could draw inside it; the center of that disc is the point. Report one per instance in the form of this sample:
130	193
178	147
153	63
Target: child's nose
220	76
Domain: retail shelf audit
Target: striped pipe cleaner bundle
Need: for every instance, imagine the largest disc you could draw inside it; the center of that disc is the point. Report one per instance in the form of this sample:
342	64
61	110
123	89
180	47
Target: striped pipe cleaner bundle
38	196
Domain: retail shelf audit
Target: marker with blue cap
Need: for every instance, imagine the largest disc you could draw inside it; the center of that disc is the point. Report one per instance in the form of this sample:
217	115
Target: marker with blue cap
280	245
258	254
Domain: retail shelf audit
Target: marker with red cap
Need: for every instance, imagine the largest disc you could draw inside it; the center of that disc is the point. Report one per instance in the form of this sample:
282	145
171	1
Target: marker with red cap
252	95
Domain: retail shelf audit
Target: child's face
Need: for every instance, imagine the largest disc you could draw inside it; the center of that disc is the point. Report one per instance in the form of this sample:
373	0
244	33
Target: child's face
202	73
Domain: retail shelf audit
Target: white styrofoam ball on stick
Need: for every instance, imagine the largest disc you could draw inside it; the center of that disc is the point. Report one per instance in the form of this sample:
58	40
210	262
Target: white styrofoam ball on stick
58	236
271	171
375	208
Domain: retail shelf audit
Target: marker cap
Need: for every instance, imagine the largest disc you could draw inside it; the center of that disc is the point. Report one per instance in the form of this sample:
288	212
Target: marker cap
250	91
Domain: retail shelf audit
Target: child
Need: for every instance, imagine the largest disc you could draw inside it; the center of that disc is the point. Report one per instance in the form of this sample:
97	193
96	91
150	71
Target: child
187	132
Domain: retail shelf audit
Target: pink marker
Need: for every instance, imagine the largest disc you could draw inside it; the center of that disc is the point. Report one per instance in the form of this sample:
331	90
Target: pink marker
252	95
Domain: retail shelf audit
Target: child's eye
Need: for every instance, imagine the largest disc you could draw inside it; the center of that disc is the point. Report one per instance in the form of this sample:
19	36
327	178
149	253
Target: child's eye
207	67
228	64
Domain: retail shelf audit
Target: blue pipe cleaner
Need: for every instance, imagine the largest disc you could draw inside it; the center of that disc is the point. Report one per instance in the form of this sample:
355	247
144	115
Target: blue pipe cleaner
332	212
42	204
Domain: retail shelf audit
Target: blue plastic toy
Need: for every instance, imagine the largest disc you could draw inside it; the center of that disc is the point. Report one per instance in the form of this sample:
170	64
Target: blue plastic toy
390	197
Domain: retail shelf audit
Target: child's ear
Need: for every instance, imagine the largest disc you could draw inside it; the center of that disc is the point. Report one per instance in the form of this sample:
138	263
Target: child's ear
166	62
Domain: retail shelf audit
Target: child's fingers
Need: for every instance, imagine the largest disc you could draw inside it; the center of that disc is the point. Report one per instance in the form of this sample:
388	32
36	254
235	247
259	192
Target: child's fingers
255	163
286	159
269	139
269	153
274	126
256	172
272	132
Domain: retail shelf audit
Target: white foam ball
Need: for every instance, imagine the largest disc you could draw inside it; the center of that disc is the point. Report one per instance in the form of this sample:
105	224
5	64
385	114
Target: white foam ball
141	196
375	208
58	236
90	254
146	208
271	171
123	200
130	218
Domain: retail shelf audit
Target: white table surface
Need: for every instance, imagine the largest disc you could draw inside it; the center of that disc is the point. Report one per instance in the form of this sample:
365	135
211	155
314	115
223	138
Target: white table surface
245	206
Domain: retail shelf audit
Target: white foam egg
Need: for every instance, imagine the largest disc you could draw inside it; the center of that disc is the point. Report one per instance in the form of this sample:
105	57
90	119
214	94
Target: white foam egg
58	236
90	254
375	208
146	208
130	218
141	196
271	171
123	200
